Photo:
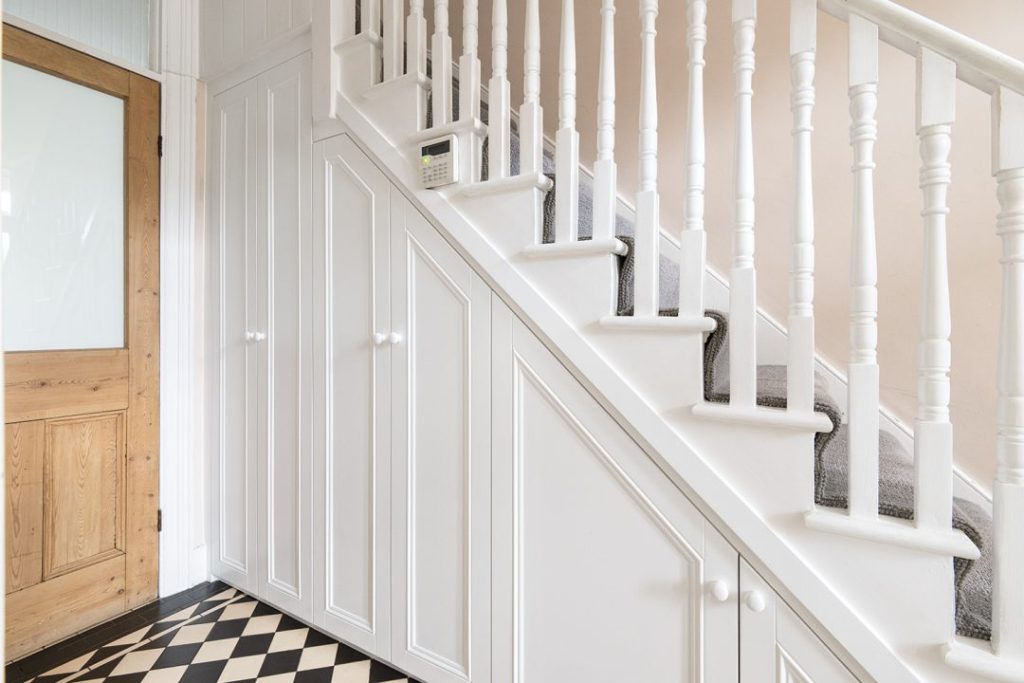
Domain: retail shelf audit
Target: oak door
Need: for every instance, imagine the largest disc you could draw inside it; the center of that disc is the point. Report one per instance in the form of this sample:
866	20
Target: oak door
80	201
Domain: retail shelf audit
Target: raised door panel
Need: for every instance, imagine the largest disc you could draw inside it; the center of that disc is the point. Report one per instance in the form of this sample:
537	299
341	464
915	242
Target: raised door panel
441	456
284	342
594	549
232	313
776	646
352	396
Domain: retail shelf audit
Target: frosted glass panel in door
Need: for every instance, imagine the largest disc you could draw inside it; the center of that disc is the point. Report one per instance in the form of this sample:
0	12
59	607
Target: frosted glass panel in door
62	199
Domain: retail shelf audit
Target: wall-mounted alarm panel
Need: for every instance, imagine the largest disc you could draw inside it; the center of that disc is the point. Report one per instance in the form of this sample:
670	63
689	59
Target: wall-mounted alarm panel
439	162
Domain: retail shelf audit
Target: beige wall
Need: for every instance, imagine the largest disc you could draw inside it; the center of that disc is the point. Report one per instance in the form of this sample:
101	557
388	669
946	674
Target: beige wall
974	248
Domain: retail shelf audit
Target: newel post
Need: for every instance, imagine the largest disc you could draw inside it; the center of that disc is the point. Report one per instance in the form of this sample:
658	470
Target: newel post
1008	492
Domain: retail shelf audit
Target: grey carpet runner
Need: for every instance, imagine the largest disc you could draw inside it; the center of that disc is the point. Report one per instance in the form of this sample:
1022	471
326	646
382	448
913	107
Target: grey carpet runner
973	579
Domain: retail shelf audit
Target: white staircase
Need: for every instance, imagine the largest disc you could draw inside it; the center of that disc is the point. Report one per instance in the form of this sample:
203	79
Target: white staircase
879	586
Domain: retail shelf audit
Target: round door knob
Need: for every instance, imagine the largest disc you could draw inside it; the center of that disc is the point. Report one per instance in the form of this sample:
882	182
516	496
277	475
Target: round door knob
395	338
719	590
259	336
379	338
754	600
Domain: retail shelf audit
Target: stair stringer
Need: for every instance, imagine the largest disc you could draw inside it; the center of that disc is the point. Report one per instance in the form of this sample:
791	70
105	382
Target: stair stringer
884	616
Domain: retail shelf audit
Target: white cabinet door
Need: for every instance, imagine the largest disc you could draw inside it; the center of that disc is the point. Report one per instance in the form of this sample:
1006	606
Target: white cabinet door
352	389
441	454
284	123
776	646
231	313
602	568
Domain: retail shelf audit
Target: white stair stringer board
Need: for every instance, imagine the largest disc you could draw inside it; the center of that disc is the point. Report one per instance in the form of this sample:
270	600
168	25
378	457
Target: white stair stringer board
873	604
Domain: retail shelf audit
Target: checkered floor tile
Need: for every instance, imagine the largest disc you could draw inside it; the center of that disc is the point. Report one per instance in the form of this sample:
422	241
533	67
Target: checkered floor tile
227	637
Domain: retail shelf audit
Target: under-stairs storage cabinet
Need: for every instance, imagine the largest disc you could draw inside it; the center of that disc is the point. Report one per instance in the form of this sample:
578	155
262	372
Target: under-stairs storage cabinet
402	429
775	645
259	344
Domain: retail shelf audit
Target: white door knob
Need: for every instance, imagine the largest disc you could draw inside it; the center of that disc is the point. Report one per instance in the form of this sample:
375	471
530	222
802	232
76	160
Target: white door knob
379	338
719	590
754	600
395	338
251	336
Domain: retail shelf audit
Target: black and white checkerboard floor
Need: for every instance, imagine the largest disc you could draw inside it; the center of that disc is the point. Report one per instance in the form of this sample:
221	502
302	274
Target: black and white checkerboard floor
228	636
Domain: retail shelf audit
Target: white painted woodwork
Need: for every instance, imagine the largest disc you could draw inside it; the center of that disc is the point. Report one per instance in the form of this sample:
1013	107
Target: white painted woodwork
567	140
499	109
352	397
800	366
592	542
370	16
416	35
605	172
693	240
231	37
441	456
775	645
648	211
284	126
742	275
469	64
1008	491
441	66
231	369
933	432
119	28
393	38
862	398
531	114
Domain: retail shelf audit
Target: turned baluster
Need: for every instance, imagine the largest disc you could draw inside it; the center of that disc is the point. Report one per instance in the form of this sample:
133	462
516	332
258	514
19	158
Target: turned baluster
499	96
605	172
645	273
692	241
863	365
567	139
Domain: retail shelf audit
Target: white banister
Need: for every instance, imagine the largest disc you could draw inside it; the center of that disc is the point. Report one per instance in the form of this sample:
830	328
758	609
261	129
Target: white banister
441	65
567	139
693	241
499	103
370	16
933	433
1008	492
645	272
347	10
743	276
393	38
416	30
531	115
802	50
469	63
605	172
863	370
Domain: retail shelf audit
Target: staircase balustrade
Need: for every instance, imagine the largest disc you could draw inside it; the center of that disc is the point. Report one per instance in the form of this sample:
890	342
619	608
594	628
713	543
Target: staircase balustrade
943	58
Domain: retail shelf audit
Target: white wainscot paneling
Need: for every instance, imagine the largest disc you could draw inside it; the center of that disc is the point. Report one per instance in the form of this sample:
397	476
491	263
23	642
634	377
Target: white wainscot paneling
235	31
595	550
352	378
232	311
283	171
441	456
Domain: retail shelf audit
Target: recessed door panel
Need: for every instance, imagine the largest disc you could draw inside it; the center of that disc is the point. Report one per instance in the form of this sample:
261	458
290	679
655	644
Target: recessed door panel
441	454
285	132
232	316
352	389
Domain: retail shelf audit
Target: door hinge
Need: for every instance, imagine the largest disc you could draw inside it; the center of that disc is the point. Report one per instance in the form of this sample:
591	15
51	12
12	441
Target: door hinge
160	145
159	521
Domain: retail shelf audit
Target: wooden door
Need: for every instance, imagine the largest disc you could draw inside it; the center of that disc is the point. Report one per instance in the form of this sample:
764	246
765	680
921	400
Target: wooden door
776	646
82	386
352	397
441	456
603	570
